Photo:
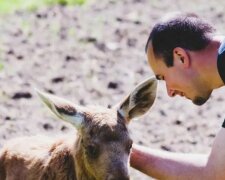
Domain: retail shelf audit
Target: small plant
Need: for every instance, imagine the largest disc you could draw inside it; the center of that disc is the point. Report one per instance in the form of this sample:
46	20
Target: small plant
1	66
9	6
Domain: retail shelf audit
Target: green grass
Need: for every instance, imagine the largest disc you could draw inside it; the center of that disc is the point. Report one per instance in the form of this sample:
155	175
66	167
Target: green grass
1	66
9	6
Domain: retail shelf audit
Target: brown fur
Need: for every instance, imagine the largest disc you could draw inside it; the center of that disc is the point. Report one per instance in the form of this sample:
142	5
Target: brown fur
65	159
26	158
100	151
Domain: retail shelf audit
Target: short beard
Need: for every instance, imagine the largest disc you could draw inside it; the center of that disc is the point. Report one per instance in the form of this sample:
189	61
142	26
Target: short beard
199	101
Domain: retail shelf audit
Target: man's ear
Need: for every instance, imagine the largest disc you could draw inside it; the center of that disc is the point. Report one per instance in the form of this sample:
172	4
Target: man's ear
181	57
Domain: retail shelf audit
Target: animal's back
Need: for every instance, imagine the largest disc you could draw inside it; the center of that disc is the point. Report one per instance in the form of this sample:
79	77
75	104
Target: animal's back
2	170
37	158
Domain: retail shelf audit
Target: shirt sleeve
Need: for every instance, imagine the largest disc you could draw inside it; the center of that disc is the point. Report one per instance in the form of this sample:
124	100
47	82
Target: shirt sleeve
223	125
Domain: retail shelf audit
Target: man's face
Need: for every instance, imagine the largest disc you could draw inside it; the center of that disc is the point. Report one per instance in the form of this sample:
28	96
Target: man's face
181	79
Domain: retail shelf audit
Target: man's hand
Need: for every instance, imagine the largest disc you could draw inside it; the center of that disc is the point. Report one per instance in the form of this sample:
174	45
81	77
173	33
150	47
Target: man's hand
168	165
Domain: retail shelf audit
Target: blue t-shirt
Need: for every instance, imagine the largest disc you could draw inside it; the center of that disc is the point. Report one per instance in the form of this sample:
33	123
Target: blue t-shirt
221	61
221	65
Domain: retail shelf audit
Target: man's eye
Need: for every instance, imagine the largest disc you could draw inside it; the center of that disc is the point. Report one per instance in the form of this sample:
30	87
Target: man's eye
159	77
129	145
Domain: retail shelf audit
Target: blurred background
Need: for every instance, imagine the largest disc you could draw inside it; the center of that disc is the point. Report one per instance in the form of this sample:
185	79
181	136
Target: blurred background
92	52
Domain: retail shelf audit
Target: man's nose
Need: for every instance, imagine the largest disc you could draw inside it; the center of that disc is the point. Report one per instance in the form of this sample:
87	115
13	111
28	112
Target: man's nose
170	92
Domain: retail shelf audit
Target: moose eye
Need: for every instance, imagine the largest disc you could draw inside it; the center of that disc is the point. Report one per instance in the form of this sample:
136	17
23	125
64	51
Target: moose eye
129	145
92	151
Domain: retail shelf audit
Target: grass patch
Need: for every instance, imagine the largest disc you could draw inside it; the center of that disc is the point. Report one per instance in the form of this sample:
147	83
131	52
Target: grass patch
9	6
1	66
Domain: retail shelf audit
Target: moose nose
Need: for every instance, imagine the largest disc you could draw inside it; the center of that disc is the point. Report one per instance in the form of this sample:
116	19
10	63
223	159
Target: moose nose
120	177
119	171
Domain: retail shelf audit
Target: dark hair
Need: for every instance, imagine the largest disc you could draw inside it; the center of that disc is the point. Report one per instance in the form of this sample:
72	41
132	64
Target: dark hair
187	31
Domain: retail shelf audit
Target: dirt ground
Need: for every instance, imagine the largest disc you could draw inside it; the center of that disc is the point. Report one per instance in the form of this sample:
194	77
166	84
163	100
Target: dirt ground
94	54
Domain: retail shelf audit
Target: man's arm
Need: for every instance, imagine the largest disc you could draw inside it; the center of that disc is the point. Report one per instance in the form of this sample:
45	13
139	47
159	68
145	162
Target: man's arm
168	165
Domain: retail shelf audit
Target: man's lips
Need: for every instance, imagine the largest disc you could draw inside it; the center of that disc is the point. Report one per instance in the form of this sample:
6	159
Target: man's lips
182	94
179	93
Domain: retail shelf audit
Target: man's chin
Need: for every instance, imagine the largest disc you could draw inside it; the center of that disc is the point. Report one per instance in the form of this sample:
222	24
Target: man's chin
199	101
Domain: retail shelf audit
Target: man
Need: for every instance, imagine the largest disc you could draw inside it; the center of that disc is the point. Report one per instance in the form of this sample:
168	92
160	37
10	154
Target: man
183	52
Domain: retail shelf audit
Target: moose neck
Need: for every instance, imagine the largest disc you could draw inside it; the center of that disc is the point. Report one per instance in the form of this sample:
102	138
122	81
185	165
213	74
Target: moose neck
81	170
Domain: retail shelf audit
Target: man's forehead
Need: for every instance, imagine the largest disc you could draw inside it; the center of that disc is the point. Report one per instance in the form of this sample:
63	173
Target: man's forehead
155	63
151	56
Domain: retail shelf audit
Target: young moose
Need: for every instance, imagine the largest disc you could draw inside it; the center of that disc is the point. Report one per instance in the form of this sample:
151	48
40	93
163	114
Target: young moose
99	152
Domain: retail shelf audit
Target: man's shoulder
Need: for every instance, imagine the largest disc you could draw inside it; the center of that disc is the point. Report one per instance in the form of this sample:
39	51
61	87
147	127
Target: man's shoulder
221	60
223	125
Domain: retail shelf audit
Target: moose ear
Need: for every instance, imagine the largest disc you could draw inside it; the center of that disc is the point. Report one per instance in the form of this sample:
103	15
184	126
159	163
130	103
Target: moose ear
139	101
63	109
